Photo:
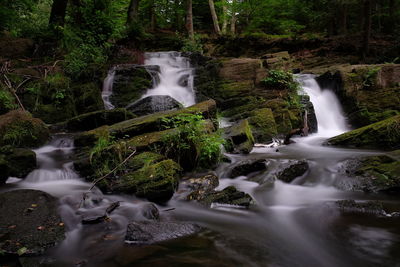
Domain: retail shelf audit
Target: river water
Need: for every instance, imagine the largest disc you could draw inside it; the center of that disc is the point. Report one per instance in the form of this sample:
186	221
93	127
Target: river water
294	224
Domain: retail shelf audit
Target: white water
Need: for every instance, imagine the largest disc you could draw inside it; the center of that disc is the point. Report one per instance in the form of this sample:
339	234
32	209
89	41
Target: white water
107	89
175	77
331	121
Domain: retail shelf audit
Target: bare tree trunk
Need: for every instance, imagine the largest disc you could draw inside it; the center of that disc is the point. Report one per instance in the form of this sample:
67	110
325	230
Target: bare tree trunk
58	11
189	19
224	16
214	17
233	18
133	11
367	28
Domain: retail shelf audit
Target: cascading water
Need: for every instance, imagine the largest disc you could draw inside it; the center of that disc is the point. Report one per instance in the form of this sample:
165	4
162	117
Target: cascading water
330	118
107	89
175	77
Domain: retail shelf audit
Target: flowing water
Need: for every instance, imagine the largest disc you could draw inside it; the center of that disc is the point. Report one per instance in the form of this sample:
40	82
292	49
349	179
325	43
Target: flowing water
294	224
175	77
107	89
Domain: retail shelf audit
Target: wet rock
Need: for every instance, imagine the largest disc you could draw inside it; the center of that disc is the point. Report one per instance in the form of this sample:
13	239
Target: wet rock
150	232
292	170
18	128
198	187
381	135
156	182
146	124
229	196
246	167
130	83
311	117
150	211
263	125
153	104
30	223
92	120
374	174
367	208
239	137
16	162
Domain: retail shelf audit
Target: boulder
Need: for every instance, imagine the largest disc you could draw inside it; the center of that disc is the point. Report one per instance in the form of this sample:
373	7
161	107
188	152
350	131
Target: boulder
263	125
239	137
374	174
196	188
16	162
18	128
229	196
381	135
279	60
292	170
243	69
130	83
92	120
150	232
246	167
157	182
153	104
30	223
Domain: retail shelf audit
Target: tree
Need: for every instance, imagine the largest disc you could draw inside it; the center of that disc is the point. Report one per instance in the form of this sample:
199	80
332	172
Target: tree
189	19
224	16
214	17
366	27
58	12
233	18
133	11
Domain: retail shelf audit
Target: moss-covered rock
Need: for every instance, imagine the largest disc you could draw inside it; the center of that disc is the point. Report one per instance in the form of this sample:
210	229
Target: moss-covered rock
292	170
229	196
263	126
156	182
243	69
87	97
147	124
20	129
16	162
381	135
239	138
130	83
96	119
7	101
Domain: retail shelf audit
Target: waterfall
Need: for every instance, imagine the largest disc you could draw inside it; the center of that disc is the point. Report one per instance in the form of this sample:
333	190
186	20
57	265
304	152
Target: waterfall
330	118
175	76
107	89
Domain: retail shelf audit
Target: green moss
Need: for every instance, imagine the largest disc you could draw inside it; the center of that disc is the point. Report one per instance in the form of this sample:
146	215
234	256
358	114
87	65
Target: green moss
7	101
262	123
156	182
235	89
87	97
144	159
382	135
239	137
19	128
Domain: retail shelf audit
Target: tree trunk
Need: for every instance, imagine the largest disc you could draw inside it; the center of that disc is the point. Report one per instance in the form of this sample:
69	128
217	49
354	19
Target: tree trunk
392	19
224	17
133	11
233	18
189	19
153	21
214	17
342	19
58	11
367	28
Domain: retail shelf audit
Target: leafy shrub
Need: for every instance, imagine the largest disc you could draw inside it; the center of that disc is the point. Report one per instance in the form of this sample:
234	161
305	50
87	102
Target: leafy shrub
7	102
281	80
193	45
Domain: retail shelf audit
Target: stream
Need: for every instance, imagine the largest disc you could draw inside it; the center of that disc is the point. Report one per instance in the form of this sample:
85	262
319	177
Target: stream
292	224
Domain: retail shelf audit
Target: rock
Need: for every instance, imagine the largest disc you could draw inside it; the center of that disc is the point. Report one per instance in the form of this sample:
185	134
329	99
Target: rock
11	47
92	120
153	104
18	128
292	170
280	60
368	93
374	174
150	211
366	208
312	122
17	162
381	135
239	137
229	196
30	223
263	126
157	182
130	83
150	232
87	97
242	69
246	167
197	188
146	124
